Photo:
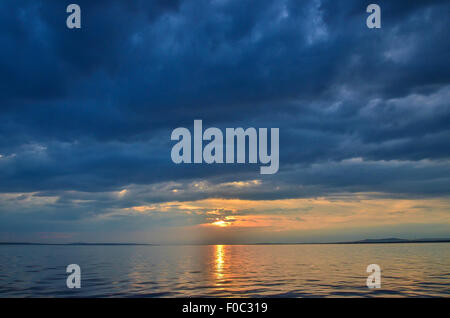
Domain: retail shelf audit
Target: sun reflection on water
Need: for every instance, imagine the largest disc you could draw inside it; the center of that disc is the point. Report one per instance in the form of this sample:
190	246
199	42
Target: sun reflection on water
220	261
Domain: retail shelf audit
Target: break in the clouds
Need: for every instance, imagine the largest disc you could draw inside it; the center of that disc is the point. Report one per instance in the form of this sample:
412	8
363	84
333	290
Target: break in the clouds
86	115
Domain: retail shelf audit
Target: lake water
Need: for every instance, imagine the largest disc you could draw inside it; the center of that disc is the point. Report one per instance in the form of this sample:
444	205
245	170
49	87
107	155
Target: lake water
226	270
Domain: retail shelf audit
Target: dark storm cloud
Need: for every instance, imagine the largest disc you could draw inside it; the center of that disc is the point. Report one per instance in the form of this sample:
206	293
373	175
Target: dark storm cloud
92	109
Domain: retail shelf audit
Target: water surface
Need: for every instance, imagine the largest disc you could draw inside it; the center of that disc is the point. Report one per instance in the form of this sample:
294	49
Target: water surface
226	270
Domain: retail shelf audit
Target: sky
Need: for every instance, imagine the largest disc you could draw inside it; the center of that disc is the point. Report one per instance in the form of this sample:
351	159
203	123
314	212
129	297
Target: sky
86	117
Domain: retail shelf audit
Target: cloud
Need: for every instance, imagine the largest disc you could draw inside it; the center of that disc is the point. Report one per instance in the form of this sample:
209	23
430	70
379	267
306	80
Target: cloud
86	115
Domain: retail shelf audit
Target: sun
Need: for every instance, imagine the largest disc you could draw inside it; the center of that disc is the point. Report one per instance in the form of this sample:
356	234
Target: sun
220	223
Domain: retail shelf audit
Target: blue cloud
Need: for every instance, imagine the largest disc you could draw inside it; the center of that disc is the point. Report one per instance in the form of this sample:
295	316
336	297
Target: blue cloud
91	110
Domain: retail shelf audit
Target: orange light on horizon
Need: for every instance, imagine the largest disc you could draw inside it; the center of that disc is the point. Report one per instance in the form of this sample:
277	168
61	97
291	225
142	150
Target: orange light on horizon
220	223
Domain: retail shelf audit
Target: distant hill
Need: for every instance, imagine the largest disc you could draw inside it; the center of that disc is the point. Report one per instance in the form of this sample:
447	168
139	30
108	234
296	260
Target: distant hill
390	240
383	240
397	240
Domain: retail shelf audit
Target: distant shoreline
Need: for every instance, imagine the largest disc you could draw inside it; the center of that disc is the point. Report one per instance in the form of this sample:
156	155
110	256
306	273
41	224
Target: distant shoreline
359	242
367	241
79	244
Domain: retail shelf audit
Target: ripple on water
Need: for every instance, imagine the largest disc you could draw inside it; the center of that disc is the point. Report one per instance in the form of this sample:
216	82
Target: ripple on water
240	271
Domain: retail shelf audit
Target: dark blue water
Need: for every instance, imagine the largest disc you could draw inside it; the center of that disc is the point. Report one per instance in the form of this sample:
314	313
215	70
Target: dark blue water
226	270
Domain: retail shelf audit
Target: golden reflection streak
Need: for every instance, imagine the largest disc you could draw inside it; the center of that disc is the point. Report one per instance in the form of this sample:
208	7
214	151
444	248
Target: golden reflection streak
220	260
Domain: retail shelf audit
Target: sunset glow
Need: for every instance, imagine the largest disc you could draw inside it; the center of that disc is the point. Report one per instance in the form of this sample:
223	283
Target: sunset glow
220	223
290	124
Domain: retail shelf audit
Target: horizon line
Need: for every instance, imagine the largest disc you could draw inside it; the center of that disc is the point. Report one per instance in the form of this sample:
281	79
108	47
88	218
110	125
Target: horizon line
364	241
